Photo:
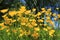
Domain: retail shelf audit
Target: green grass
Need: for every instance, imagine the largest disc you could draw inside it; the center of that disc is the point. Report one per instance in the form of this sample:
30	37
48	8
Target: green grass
58	34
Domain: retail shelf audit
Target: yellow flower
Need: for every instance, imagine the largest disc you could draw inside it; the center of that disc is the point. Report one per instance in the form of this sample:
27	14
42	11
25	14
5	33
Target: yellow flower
48	20
12	13
47	13
13	21
45	29
51	32
58	15
27	12
22	9
49	28
54	14
37	29
7	22
29	25
38	17
21	31
48	17
39	13
34	23
55	19
15	31
50	13
40	20
45	24
24	20
19	13
4	10
28	33
41	24
32	20
43	9
33	9
23	23
51	35
52	23
21	35
7	30
57	8
49	9
4	15
35	35
34	15
2	26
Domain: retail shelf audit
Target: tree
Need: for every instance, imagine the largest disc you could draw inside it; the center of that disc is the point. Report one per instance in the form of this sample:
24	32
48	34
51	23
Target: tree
38	4
9	4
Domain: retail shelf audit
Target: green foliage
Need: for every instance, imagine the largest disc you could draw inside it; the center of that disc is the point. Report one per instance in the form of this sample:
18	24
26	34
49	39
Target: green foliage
39	3
9	4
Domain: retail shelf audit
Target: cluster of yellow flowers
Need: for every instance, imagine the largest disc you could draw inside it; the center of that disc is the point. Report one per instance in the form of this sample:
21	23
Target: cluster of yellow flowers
27	22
